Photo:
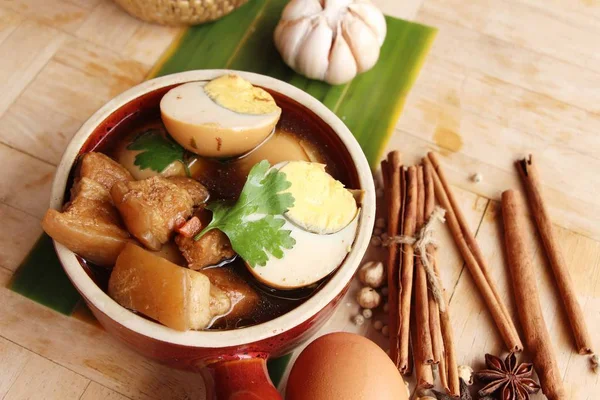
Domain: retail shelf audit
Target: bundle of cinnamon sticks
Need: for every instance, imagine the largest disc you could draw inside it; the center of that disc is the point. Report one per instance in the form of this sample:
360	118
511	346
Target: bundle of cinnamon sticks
418	309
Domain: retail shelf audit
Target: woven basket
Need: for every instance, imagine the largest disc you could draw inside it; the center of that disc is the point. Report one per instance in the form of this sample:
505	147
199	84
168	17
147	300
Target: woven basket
179	12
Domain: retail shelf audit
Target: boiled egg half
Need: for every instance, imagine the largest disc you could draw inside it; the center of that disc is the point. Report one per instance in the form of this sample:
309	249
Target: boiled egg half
225	117
323	221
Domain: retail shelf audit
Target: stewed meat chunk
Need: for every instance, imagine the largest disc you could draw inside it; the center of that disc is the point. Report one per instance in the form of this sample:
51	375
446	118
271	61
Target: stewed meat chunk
90	225
211	249
154	207
242	296
102	169
177	297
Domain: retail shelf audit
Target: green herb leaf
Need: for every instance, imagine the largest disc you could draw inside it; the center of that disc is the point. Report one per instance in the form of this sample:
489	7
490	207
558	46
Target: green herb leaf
157	151
253	224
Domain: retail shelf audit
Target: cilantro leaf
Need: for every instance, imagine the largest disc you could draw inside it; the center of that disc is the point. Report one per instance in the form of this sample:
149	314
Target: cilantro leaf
263	190
157	151
253	224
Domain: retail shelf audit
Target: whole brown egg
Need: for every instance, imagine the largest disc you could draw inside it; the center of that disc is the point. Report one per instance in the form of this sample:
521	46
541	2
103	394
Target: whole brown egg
344	366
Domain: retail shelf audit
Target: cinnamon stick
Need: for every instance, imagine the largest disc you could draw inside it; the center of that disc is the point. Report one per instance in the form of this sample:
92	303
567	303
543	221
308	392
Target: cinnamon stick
441	329
533	187
385	177
469	250
526	294
407	269
437	346
451	365
423	371
411	345
423	333
411	358
394	196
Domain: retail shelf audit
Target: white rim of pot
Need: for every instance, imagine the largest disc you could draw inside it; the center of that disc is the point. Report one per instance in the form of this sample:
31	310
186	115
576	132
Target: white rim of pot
216	339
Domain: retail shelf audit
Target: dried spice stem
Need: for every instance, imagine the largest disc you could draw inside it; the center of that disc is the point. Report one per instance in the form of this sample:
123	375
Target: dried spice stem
434	316
450	363
411	345
526	294
437	346
443	371
469	249
407	269
423	371
533	186
411	358
448	368
385	177
391	175
421	308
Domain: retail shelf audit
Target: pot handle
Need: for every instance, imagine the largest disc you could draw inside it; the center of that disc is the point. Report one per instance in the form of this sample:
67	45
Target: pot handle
244	379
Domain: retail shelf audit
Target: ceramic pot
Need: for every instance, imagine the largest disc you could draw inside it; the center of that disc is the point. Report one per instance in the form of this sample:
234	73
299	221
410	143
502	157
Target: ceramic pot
233	362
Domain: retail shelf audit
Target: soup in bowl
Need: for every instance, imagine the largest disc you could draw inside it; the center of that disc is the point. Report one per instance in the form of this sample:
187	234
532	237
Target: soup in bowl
213	219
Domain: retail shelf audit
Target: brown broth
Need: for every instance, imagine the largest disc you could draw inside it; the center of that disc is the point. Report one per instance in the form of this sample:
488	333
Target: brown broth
225	179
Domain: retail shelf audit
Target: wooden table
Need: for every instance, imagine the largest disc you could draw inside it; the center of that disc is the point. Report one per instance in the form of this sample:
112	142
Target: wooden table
504	77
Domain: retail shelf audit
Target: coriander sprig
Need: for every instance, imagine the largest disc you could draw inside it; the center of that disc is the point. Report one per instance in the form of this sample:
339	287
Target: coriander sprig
157	151
253	224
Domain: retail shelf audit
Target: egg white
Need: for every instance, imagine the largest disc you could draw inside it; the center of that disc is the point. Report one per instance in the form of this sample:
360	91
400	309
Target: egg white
312	258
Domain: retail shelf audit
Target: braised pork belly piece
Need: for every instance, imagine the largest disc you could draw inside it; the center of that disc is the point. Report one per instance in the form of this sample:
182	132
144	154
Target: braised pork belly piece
90	225
154	207
242	296
102	169
211	249
179	298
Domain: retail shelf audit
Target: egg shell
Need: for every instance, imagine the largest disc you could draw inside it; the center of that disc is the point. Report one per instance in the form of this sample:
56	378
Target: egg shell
344	366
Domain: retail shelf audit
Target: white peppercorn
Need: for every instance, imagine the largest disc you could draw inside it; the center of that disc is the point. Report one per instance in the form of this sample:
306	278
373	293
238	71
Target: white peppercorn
358	319
372	274
368	298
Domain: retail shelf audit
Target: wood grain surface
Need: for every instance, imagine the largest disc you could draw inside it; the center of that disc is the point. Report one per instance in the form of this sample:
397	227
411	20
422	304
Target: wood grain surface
504	78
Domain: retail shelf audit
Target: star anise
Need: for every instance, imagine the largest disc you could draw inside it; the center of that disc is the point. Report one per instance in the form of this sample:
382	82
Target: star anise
507	379
464	393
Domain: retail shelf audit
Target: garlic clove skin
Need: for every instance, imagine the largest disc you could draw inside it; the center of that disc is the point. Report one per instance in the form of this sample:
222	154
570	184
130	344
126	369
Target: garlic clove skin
342	66
334	9
289	36
362	41
313	56
372	17
301	9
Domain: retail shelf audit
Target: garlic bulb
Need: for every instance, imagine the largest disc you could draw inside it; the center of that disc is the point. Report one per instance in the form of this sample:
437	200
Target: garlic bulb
330	40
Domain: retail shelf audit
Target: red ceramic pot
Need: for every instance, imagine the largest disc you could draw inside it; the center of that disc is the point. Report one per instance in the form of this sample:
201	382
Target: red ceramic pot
233	362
